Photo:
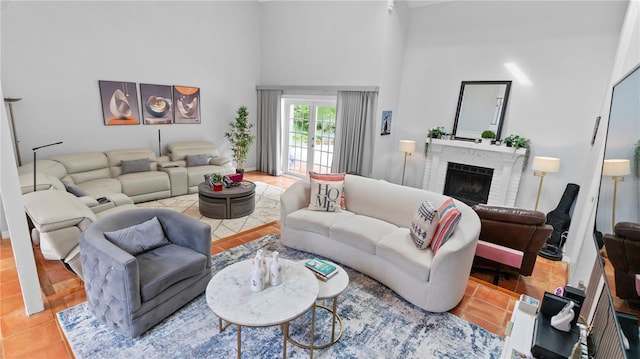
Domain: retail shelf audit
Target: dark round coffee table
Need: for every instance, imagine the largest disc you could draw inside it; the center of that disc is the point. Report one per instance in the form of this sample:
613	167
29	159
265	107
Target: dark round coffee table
231	202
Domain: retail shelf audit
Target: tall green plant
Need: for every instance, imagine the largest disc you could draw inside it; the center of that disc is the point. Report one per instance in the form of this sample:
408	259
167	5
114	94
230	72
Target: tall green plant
239	136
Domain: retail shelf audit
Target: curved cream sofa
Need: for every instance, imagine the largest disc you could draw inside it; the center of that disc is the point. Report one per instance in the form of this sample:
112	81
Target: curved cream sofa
372	236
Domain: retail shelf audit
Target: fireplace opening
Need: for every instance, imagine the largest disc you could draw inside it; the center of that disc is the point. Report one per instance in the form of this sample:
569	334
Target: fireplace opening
467	183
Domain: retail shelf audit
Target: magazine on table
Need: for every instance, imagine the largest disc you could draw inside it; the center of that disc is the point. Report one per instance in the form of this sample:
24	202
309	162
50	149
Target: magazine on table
321	268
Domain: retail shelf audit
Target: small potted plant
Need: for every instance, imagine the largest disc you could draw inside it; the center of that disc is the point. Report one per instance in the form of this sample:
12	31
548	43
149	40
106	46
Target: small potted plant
487	136
516	142
240	137
216	180
436	132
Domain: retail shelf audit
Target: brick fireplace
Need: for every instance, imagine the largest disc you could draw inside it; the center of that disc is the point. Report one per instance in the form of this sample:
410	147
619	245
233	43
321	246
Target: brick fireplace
472	172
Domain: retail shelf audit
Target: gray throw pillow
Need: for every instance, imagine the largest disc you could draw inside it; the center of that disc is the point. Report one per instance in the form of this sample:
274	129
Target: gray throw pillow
139	238
74	189
197	160
131	166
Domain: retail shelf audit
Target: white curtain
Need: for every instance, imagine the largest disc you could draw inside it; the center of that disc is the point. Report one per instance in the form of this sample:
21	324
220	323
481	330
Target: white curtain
269	132
353	150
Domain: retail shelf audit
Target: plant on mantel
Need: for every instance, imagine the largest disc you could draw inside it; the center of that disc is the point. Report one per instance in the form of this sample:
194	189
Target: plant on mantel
516	142
488	134
436	132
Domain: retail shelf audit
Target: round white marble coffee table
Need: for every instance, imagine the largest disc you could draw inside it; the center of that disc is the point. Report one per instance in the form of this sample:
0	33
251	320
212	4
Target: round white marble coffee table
230	297
329	289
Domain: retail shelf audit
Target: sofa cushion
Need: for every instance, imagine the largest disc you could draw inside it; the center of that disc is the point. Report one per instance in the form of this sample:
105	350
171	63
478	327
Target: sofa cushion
449	218
102	187
197	160
361	232
179	150
140	238
138	183
138	165
165	266
398	248
74	189
424	224
220	160
326	193
317	222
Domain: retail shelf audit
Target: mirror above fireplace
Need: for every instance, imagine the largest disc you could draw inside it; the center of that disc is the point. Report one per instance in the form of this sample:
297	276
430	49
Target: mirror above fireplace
481	106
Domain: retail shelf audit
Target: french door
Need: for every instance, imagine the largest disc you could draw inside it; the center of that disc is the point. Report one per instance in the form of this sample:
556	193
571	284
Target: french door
311	128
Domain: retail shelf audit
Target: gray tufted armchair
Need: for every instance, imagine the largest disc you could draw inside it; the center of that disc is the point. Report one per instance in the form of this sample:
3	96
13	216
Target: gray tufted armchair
132	293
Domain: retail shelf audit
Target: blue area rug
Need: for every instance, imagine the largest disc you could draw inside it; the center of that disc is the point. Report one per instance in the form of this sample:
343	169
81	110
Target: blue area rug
377	324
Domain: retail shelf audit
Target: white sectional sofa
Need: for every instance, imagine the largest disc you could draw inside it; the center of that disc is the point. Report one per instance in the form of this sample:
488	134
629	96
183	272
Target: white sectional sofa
372	236
73	190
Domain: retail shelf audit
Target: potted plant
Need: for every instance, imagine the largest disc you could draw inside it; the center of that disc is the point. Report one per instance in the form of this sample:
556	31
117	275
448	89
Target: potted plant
240	137
487	136
216	180
436	132
516	142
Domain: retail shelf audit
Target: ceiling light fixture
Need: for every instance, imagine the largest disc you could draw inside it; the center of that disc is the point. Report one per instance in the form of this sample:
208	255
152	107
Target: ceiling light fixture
518	73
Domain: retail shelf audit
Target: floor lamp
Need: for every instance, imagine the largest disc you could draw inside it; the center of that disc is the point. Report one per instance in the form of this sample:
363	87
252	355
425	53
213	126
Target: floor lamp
406	146
34	160
617	169
541	166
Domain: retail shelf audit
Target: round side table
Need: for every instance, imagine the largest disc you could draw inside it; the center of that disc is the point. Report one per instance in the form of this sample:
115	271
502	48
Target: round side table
328	289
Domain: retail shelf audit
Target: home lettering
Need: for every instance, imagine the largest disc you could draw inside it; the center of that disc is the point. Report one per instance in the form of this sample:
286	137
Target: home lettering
326	197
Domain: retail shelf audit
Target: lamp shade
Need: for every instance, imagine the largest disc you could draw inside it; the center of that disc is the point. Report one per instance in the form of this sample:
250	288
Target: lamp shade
407	146
616	167
546	164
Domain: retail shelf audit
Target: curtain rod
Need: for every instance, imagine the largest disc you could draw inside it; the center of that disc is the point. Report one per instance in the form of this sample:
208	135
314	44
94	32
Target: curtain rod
318	88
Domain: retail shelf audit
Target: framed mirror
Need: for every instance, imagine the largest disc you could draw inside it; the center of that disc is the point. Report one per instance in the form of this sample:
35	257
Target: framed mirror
619	201
481	106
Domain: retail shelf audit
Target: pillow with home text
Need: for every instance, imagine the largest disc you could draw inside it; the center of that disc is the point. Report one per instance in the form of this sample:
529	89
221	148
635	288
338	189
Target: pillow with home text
327	192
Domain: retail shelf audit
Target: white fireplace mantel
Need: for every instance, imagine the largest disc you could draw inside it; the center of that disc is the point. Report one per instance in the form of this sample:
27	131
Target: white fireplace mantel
506	163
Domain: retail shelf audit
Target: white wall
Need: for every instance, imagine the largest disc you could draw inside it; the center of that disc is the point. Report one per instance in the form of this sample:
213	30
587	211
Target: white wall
320	43
567	50
54	53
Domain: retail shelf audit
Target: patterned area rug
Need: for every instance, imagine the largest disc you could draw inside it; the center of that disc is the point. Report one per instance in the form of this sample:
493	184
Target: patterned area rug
267	210
377	324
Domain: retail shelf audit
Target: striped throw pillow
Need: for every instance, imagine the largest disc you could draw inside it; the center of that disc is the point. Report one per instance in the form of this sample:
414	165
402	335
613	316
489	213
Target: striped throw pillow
424	224
449	218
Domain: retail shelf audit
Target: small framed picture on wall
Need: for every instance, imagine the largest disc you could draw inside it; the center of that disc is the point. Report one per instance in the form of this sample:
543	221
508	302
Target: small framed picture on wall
119	103
186	103
156	104
385	127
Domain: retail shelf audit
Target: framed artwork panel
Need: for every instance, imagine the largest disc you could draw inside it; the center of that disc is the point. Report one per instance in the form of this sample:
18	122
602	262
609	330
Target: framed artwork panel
385	127
186	104
157	104
119	103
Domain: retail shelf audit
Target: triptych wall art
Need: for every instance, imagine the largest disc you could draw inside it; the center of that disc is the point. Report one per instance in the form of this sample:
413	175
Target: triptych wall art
161	104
